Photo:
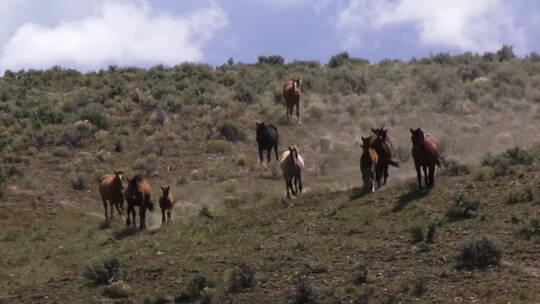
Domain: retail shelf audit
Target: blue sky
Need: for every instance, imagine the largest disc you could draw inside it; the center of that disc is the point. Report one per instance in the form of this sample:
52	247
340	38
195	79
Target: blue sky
92	34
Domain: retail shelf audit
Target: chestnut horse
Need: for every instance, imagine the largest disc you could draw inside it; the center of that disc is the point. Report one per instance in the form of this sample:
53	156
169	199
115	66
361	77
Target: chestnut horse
267	139
426	155
138	194
111	187
383	145
291	165
166	203
291	95
369	165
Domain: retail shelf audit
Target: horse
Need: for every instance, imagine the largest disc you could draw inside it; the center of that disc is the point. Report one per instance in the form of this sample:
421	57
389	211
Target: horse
111	188
267	139
426	156
369	165
166	203
385	149
138	194
291	95
291	165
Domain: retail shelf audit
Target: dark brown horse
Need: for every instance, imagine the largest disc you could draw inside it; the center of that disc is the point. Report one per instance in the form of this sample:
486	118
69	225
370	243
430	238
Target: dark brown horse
383	145
138	194
426	156
368	165
267	139
111	187
291	165
291	95
166	203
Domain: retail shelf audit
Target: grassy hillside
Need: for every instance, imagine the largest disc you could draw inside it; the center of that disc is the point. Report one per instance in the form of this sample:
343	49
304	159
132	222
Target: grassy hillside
192	127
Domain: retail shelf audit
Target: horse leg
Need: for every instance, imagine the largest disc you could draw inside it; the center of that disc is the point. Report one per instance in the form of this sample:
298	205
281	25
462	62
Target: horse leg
142	225
163	220
297	104
419	175
431	176
268	154
169	213
260	154
300	183
287	185
371	178
128	222
275	149
105	207
426	176
385	173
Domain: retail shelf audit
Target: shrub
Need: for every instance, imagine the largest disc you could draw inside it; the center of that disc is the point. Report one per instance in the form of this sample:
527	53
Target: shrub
103	274
452	167
233	202
364	297
218	146
502	162
96	118
462	207
240	277
192	290
505	53
271	60
304	292
361	275
231	132
148	165
416	233
78	182
520	195
338	60
531	231
478	253
76	135
483	173
117	290
205	212
431	233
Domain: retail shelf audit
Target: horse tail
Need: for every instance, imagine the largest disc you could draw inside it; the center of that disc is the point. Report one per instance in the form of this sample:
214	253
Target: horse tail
393	163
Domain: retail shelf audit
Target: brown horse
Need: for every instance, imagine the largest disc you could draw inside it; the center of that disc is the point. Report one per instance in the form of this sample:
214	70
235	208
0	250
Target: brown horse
369	165
291	95
138	194
166	203
111	187
426	155
385	149
291	165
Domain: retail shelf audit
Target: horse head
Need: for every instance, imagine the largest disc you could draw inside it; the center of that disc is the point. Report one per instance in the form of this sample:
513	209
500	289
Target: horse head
165	190
417	137
121	178
293	151
365	143
296	84
381	133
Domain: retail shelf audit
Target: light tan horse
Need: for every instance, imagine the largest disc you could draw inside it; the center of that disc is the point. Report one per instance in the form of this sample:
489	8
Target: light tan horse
291	95
111	187
291	165
166	203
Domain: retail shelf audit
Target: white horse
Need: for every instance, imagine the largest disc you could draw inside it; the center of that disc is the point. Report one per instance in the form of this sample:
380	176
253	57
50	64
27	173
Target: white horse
291	165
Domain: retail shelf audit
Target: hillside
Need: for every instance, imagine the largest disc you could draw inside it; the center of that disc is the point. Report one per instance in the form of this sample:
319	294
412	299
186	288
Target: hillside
325	236
192	127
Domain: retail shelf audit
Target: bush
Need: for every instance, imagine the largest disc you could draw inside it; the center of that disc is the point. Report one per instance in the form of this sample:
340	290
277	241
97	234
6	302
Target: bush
271	60
462	207
416	233
78	182
531	231
233	202
148	165
338	60
452	167
478	253
106	273
502	162
218	146
231	132
505	53
193	289
361	275
520	195
364	297
205	212
240	277
117	290
304	292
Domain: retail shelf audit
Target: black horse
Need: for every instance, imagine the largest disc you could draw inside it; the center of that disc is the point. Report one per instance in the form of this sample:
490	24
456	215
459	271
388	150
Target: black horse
267	139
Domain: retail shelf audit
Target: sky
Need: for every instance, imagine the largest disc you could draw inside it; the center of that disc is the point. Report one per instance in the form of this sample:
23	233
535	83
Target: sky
93	34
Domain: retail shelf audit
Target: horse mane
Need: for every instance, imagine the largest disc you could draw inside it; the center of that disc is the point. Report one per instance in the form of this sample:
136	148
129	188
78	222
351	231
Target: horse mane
137	178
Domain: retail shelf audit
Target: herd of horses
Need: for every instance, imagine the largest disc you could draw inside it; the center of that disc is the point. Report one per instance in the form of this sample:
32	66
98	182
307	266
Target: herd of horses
377	155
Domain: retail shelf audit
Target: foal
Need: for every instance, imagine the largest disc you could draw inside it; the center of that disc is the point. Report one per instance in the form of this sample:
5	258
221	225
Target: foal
166	202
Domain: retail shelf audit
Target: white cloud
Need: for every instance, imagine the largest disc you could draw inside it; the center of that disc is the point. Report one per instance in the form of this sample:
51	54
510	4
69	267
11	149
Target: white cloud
468	25
121	33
